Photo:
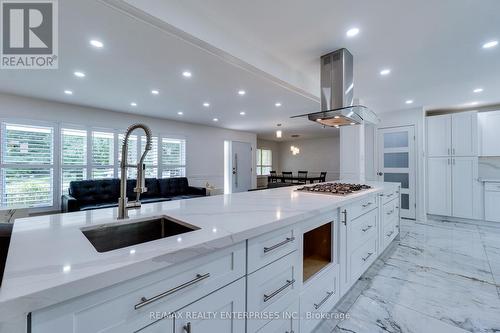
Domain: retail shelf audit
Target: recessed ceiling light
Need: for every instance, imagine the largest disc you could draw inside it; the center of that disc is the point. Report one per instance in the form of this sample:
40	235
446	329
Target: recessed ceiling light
277	104
490	44
279	134
206	104
67	268
242	113
478	90
96	43
336	117
242	92
180	113
352	32
155	92
68	92
474	103
337	126
79	74
215	120
385	72
187	74
410	101
319	119
353	123
133	104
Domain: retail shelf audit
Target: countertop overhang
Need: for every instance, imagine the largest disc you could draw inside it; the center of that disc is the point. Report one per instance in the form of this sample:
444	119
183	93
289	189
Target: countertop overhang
51	261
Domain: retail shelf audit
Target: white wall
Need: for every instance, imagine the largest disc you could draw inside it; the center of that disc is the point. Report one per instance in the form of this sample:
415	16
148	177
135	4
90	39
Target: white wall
413	117
204	144
315	155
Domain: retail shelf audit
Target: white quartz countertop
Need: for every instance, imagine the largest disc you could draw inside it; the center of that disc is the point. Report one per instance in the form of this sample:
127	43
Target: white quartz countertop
51	261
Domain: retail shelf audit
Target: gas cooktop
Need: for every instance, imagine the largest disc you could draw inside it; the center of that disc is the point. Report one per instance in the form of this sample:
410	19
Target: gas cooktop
334	188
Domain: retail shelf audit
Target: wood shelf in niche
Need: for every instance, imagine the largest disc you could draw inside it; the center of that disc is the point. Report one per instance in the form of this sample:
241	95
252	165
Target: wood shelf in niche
317	250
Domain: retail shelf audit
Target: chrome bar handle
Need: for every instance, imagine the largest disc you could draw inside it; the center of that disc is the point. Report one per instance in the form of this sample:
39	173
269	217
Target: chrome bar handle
328	295
187	328
345	217
368	256
274	247
276	292
145	301
367	228
367	204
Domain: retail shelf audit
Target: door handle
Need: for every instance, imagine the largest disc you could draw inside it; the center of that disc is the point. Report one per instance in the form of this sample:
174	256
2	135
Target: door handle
367	228
274	247
328	295
368	256
276	292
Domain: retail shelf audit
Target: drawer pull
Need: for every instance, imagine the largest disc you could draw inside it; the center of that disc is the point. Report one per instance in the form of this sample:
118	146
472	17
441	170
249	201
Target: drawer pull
274	247
187	328
367	228
390	212
368	256
276	292
328	295
145	301
389	195
367	204
390	234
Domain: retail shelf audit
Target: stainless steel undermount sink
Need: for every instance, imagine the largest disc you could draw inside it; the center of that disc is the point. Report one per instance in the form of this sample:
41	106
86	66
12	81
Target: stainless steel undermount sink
109	237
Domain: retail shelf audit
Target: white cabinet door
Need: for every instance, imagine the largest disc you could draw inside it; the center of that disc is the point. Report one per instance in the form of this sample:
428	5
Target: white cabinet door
439	186
212	313
165	325
492	202
464	134
439	136
464	175
489	123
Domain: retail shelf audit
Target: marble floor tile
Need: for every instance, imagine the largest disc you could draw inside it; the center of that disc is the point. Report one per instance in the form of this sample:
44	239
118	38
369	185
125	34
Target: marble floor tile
371	316
442	277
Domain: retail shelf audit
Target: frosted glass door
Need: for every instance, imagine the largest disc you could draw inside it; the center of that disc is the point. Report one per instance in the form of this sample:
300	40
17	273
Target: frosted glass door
396	163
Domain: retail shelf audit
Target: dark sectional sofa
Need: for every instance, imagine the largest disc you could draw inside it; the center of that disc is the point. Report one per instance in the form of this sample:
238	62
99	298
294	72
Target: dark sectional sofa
104	193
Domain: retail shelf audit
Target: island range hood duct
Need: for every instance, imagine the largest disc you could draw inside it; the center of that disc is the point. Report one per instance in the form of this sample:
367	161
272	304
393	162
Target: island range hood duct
337	93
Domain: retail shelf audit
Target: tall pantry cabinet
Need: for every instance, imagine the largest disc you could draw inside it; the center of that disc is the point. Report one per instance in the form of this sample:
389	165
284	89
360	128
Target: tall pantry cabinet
453	188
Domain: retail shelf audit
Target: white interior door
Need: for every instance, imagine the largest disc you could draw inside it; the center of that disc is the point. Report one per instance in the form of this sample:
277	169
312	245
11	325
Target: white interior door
241	169
396	163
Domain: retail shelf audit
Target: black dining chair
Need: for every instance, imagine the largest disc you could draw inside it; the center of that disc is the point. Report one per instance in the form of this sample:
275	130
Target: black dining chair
274	176
302	177
323	177
289	175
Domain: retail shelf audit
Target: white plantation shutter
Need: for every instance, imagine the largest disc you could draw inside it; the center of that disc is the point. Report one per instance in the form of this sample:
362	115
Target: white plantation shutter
103	160
73	157
173	157
151	160
27	166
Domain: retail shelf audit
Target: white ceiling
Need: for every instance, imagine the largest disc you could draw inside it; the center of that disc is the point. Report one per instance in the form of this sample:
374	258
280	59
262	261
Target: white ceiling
271	50
434	48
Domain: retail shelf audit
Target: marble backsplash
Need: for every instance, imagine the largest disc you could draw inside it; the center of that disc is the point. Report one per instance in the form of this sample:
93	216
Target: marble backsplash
489	167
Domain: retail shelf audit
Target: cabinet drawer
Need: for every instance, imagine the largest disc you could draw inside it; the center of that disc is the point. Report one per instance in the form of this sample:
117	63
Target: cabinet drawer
390	212
270	247
390	194
495	187
273	288
319	296
362	258
363	206
288	321
389	232
362	228
127	306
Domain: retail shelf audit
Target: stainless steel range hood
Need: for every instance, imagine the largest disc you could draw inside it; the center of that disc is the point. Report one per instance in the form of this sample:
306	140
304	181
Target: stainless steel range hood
337	93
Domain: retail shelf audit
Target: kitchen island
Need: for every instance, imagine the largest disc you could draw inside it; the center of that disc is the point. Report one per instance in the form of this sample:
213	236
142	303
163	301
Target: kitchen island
256	252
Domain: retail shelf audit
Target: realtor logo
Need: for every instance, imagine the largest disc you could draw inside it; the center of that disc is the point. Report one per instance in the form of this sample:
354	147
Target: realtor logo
29	34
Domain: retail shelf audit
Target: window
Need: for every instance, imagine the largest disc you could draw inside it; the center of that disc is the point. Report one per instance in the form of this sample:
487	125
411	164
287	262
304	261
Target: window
173	156
264	162
132	158
73	156
27	166
151	160
103	145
